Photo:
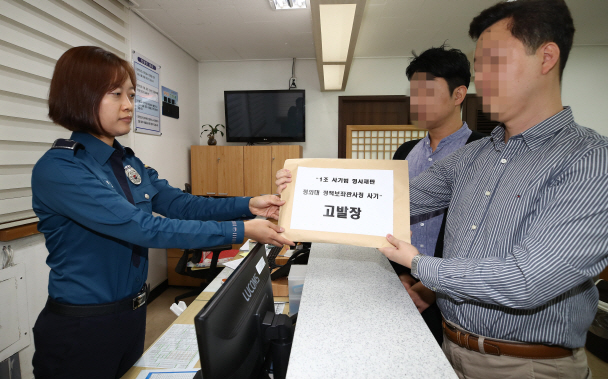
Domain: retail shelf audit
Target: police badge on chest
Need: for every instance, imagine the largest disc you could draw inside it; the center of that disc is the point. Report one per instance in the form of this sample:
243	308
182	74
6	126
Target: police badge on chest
133	175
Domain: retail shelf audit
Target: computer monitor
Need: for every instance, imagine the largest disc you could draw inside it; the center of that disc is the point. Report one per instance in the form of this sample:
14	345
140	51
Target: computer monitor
237	331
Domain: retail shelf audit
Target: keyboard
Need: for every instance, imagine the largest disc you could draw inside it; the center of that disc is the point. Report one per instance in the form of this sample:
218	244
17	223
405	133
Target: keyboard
272	255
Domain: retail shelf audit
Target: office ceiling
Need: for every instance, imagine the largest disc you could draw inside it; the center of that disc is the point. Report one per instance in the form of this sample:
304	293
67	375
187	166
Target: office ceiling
225	30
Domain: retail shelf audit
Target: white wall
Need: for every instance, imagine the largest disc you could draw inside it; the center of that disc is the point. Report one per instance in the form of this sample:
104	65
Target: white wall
169	153
367	77
585	86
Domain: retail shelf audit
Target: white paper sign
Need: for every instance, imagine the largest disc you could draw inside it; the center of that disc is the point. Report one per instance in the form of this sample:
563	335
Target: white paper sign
147	98
343	201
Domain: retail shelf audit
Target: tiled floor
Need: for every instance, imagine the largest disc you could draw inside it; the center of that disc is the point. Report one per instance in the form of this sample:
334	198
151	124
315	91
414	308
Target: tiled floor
160	317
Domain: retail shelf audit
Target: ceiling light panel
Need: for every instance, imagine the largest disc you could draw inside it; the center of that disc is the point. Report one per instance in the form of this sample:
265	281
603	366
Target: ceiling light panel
336	30
333	75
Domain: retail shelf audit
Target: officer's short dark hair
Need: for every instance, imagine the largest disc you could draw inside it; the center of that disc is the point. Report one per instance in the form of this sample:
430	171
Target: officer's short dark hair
83	76
441	62
533	22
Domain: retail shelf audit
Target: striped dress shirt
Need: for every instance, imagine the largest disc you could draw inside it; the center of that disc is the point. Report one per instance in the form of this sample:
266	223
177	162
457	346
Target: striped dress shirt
526	232
426	230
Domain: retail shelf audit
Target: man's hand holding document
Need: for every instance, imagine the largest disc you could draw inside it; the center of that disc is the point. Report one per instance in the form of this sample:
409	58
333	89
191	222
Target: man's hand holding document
344	201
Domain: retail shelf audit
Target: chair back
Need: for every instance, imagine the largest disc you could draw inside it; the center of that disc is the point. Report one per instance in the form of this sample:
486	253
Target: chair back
195	255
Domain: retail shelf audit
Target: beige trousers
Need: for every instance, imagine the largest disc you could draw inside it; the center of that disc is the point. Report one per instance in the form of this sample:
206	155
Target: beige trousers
474	365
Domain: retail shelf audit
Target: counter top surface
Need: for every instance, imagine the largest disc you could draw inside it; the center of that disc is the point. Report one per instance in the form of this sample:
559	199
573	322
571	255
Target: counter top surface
356	320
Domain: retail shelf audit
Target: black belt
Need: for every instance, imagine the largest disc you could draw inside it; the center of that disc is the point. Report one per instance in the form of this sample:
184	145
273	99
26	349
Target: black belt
129	304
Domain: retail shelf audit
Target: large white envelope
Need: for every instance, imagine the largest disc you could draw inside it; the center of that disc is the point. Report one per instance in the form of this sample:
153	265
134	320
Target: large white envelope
346	201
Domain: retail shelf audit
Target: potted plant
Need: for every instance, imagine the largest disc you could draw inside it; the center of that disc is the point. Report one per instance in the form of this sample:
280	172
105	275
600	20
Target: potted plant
213	130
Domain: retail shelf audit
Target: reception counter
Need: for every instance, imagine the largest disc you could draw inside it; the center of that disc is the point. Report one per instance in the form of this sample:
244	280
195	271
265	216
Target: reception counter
355	321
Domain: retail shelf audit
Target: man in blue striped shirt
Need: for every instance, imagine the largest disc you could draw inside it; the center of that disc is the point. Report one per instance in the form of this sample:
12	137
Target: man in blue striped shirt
439	79
528	223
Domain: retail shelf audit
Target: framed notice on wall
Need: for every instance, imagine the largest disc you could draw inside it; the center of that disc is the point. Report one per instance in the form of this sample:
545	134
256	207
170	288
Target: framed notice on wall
353	202
147	95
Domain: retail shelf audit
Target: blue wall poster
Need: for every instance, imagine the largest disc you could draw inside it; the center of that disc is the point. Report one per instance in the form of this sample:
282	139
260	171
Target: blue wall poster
169	96
147	95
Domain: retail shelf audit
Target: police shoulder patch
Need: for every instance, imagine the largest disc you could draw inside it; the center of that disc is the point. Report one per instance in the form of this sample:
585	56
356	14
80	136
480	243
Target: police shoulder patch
148	167
67	144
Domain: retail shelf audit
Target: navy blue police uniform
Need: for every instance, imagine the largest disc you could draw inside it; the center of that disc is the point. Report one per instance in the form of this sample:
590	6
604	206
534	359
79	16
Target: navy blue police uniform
95	205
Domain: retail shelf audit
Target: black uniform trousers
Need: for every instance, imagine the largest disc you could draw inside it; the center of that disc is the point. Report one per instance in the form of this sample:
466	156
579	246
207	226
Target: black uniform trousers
96	347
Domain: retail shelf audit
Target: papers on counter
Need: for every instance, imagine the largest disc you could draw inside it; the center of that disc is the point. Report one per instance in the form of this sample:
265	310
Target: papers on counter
166	374
177	348
233	264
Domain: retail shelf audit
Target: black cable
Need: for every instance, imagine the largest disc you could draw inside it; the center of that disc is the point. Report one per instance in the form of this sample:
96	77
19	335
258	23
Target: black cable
293	73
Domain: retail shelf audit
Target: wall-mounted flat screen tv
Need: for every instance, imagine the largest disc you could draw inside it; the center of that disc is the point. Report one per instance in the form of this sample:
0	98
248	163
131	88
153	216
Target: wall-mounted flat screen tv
265	116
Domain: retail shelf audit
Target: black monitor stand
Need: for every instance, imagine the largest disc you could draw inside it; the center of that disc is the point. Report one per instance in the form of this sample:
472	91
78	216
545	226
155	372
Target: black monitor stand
279	332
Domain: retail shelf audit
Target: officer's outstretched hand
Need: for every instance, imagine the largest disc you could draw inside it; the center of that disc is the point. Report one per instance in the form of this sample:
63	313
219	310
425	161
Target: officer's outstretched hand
283	177
266	206
265	231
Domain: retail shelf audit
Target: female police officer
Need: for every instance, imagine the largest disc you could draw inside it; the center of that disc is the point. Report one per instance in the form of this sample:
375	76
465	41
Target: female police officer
95	200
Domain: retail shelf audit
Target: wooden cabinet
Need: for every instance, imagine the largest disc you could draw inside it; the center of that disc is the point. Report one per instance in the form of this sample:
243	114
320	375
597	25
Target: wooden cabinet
262	163
238	170
280	154
218	170
257	170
